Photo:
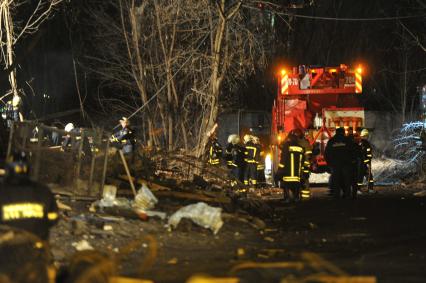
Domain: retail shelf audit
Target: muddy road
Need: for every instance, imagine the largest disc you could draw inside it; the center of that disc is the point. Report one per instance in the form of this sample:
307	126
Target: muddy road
380	236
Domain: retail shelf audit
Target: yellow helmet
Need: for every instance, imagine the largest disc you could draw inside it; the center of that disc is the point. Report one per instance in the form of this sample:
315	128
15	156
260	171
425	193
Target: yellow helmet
364	133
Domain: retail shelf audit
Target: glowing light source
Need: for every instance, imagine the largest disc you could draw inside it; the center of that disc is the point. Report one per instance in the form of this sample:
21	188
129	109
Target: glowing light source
283	72
359	70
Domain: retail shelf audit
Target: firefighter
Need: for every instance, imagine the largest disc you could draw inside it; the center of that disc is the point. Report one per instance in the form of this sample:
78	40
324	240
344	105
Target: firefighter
13	110
26	204
340	156
364	168
124	138
303	142
260	160
72	142
214	150
250	171
228	150
236	161
290	166
355	138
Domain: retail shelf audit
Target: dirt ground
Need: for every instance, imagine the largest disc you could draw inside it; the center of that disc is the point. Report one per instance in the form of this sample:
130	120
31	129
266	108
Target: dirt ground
381	235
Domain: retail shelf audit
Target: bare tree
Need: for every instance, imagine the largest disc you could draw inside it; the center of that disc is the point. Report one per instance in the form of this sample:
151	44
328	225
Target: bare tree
14	27
178	54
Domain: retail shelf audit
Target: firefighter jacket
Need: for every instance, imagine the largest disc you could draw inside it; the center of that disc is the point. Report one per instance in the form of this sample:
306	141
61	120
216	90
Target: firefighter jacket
228	154
215	152
291	161
237	156
340	151
307	147
260	161
27	205
124	139
72	143
366	151
250	153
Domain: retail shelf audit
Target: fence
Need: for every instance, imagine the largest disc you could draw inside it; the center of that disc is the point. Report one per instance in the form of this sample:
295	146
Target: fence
78	169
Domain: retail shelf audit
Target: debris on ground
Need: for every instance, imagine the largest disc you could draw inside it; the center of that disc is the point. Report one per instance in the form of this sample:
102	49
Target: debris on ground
82	245
200	213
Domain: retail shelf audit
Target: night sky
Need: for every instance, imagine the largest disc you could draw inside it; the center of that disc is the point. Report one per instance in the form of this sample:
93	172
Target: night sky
46	58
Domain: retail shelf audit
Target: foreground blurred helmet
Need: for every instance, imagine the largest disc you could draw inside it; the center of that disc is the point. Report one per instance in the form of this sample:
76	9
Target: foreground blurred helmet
69	127
364	133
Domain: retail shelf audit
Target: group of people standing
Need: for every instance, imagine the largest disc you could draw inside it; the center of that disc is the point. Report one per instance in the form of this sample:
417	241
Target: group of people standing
245	161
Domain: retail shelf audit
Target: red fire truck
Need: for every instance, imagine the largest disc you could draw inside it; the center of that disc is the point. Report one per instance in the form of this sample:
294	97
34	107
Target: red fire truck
316	100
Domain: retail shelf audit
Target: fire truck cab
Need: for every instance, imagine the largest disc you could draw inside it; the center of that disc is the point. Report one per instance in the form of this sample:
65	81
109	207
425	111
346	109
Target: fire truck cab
316	100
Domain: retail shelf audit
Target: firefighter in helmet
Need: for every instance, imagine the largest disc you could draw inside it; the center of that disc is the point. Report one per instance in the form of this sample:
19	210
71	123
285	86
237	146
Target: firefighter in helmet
124	138
307	147
364	169
250	170
291	166
260	160
12	112
26	204
236	159
214	150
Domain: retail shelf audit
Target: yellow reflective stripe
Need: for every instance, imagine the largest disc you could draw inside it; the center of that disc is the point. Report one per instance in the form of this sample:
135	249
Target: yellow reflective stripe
360	184
291	164
371	181
368	149
295	149
281	165
289	178
22	211
367	160
52	216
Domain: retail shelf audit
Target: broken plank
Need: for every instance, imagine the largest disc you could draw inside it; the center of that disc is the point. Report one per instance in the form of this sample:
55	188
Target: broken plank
192	196
152	186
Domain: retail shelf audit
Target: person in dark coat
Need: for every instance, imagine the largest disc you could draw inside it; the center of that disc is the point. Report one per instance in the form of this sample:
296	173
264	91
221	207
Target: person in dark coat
340	156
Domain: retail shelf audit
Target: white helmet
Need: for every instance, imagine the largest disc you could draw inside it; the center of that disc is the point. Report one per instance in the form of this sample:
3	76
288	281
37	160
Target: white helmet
364	133
16	100
234	139
69	127
247	138
255	139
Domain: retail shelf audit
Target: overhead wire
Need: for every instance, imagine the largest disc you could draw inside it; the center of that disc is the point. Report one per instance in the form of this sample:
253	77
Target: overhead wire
335	18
